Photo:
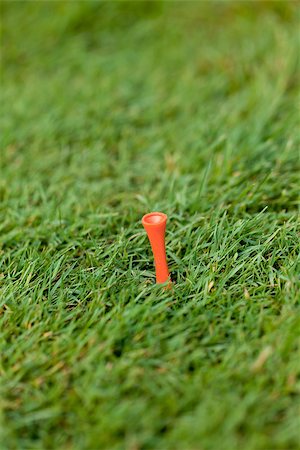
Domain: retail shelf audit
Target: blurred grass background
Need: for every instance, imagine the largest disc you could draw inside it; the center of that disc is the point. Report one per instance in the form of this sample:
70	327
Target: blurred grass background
110	110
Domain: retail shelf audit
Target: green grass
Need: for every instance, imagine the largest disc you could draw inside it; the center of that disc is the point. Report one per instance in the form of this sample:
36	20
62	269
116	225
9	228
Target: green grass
109	111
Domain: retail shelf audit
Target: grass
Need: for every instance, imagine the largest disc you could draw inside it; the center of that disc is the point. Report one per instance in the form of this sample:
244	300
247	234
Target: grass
111	110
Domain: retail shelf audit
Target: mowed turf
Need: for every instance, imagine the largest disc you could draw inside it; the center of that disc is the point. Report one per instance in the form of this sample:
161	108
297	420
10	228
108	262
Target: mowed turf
109	111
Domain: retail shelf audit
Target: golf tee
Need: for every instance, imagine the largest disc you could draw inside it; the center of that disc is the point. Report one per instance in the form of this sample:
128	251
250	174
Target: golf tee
155	226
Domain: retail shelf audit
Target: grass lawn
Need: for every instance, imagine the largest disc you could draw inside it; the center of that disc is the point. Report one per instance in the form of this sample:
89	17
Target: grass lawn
109	111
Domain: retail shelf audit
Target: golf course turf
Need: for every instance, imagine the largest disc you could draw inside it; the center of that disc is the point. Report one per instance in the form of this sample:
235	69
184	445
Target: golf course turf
111	110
